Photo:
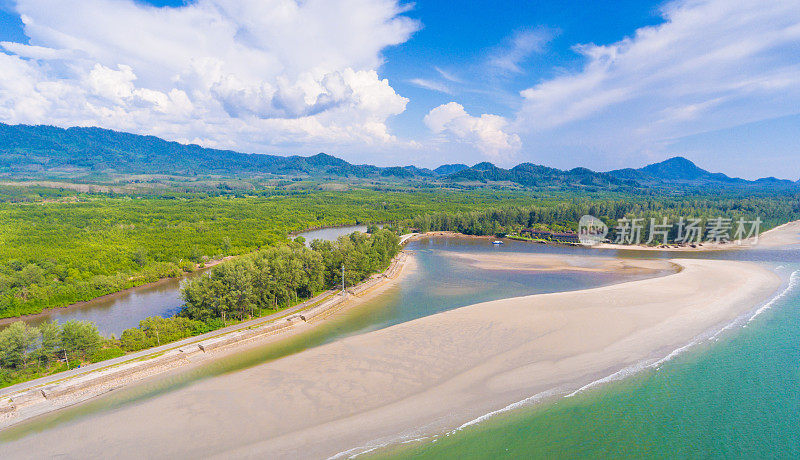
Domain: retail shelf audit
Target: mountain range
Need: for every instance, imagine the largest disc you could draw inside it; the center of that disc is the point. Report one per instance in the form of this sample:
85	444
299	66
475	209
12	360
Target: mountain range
50	152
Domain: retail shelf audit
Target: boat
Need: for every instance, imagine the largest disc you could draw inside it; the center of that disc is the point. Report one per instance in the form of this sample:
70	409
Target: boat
497	242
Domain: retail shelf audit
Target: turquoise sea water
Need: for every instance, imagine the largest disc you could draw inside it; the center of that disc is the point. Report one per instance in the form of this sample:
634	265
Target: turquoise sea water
737	396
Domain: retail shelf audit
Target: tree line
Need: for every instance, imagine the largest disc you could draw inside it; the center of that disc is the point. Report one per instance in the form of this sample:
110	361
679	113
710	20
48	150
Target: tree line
276	277
564	216
30	351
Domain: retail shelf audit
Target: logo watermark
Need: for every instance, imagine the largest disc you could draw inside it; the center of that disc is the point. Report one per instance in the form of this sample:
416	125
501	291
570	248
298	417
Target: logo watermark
684	231
591	230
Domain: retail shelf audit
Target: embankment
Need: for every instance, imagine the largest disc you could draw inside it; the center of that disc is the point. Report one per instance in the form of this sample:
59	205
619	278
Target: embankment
40	396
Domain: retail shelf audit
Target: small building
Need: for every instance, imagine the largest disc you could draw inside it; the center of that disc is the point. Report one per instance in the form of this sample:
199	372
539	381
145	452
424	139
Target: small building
537	234
566	237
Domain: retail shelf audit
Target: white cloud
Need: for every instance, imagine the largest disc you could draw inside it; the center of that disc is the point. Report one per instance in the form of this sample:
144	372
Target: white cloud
487	133
431	85
519	46
244	74
712	64
449	76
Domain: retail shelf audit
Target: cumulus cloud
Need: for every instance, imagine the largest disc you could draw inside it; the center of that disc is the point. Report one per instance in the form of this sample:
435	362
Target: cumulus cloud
712	64
242	74
487	132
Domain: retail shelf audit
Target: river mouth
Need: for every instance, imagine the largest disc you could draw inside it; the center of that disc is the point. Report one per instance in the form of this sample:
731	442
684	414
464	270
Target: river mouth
731	395
439	282
122	310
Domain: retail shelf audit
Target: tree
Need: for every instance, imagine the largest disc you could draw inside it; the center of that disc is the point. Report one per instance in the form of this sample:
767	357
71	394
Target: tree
16	344
31	274
50	340
80	338
139	256
134	339
226	290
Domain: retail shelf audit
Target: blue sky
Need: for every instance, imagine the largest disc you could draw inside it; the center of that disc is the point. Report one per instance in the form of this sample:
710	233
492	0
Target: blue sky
583	83
461	44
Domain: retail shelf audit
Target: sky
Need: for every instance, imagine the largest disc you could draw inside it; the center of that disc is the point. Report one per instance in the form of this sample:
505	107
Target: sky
603	85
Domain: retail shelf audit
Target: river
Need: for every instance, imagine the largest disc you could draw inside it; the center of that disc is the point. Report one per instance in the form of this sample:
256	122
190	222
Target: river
122	310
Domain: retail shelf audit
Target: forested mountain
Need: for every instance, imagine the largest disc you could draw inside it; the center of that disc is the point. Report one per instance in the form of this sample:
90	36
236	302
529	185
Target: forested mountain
445	170
677	170
48	152
531	175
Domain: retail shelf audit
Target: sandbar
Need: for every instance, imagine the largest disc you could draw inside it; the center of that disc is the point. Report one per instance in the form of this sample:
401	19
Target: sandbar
421	377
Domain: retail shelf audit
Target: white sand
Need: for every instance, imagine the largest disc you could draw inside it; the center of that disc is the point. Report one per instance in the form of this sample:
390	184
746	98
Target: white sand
423	376
784	236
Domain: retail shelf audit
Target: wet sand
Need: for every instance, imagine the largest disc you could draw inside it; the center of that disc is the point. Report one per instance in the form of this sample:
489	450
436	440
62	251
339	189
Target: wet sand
564	262
420	377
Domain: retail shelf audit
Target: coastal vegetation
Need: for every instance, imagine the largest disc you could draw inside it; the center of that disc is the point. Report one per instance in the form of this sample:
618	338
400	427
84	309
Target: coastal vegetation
254	285
28	352
273	278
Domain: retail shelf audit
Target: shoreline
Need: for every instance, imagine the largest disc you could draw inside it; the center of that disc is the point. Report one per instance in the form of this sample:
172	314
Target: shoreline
294	234
780	236
35	399
428	372
261	447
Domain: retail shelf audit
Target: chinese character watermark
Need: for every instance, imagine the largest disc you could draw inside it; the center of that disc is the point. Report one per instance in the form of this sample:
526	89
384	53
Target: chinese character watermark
683	231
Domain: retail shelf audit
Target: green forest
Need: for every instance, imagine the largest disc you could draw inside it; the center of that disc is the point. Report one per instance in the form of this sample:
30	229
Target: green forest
58	252
564	216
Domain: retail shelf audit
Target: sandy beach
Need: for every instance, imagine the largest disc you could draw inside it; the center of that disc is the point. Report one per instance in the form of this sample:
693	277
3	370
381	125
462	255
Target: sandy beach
783	236
420	377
